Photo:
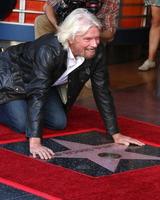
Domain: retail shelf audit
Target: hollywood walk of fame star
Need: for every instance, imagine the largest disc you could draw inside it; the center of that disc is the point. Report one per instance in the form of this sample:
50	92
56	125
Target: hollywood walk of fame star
106	155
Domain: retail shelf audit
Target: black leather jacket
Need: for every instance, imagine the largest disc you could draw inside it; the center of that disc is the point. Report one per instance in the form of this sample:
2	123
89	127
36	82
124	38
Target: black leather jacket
29	70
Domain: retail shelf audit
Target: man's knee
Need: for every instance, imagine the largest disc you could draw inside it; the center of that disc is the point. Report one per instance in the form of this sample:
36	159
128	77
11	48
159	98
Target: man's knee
61	124
57	123
19	125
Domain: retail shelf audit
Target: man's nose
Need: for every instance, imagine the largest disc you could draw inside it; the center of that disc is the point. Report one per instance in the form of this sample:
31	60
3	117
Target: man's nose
94	43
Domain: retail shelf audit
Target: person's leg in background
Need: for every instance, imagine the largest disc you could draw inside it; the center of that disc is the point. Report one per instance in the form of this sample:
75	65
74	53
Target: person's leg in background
42	26
154	39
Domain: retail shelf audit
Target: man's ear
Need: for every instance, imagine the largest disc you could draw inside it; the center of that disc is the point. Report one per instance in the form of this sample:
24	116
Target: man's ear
70	41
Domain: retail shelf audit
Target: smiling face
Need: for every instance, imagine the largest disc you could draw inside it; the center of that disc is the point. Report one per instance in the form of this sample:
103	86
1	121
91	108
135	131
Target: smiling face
85	45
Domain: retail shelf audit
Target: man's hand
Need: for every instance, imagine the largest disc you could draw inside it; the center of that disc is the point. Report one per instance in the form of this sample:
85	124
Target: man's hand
122	139
107	36
38	150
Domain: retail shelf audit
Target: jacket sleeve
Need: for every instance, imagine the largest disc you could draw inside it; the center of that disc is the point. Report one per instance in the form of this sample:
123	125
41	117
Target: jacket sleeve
37	90
102	93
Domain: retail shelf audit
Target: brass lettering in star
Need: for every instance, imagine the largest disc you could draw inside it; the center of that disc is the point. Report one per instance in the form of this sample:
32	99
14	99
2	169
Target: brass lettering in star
105	155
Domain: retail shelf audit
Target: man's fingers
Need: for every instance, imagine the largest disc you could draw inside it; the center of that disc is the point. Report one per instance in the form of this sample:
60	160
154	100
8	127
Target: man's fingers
43	153
122	139
134	141
139	143
33	154
50	151
126	143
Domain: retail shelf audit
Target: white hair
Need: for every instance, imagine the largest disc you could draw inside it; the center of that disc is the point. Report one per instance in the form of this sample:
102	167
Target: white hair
78	22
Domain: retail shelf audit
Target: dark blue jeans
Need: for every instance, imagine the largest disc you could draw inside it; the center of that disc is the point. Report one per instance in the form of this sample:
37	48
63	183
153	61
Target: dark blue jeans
14	113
